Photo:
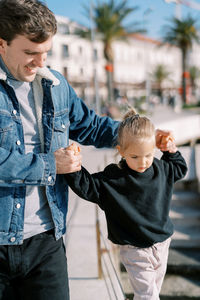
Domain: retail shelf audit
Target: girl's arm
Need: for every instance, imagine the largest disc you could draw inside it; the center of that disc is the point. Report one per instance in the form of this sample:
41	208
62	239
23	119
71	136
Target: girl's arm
86	185
176	164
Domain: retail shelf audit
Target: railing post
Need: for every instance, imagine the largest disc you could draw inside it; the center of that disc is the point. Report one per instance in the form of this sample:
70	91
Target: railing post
98	238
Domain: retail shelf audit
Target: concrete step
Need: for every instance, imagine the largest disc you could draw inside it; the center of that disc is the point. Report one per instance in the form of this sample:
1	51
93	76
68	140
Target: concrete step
180	288
181	260
182	215
175	287
182	281
186	198
184	261
186	236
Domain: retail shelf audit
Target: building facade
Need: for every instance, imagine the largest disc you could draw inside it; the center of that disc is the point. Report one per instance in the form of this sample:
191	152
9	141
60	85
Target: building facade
82	62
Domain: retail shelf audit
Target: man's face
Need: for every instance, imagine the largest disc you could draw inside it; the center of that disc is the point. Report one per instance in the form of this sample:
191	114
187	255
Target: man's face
23	57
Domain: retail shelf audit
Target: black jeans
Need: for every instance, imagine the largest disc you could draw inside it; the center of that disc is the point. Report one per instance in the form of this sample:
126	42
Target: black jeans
35	270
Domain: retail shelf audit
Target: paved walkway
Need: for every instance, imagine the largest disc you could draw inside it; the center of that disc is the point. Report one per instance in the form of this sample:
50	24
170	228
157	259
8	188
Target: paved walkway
81	240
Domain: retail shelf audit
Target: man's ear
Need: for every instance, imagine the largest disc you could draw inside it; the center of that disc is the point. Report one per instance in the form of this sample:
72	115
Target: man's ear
2	46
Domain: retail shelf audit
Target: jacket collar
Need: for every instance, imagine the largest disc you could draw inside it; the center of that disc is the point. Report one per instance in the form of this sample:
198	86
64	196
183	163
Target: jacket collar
42	72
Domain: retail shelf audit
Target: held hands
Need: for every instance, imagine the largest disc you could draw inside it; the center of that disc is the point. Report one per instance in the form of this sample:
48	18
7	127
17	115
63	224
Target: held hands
68	160
165	141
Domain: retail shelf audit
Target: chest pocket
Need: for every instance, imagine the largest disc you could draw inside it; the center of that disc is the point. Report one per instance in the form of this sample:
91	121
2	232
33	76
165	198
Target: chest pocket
7	131
60	131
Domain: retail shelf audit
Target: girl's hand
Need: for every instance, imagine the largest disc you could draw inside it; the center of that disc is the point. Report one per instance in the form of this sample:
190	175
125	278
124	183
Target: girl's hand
74	148
68	160
169	143
165	141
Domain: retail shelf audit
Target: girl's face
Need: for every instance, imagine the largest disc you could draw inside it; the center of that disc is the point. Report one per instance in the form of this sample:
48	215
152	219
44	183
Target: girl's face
139	155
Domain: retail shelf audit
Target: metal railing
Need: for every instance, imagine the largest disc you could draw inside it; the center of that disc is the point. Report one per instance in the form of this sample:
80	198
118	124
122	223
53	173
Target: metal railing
106	268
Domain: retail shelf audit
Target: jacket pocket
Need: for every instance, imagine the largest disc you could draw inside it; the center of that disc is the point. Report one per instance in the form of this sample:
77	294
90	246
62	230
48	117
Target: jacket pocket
60	131
7	132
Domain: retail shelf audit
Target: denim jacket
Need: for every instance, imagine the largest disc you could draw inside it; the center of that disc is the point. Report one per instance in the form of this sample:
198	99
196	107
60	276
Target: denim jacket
61	115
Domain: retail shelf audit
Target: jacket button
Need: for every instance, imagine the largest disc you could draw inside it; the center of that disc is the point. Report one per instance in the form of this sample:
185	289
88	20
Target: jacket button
18	142
49	178
63	126
13	239
14	112
18	205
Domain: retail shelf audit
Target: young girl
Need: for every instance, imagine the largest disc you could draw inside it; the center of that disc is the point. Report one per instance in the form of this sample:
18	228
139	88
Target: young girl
135	196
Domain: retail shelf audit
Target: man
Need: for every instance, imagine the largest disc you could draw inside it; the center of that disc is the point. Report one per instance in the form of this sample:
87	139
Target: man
39	112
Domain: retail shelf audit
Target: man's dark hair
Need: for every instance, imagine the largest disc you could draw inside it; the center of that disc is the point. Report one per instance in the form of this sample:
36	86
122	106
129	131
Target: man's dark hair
30	18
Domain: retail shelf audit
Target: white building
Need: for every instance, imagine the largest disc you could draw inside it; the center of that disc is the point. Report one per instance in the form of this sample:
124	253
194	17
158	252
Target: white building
134	61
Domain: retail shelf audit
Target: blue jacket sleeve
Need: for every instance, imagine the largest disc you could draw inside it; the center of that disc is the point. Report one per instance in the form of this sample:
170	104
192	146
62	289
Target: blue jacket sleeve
26	169
87	128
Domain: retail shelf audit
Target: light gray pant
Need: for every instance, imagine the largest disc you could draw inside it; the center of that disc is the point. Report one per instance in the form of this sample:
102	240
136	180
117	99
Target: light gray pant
146	268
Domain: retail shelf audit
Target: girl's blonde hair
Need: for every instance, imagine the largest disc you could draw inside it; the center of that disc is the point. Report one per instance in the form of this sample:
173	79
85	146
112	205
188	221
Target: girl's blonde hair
134	128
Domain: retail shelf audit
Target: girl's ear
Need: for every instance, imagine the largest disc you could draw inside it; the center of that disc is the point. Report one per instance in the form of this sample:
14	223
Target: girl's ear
119	150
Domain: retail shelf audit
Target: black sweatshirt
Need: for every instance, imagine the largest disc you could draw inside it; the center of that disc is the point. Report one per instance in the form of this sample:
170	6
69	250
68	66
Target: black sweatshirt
136	204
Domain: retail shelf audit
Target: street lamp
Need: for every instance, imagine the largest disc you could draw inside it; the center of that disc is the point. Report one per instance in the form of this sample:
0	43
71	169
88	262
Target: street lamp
146	64
94	60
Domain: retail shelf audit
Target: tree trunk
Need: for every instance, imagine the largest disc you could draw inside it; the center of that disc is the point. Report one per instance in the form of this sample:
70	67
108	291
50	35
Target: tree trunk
184	97
109	75
108	53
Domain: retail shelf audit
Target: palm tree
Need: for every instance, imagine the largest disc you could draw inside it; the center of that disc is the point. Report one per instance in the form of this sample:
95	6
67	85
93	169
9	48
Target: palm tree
109	18
182	33
159	75
194	74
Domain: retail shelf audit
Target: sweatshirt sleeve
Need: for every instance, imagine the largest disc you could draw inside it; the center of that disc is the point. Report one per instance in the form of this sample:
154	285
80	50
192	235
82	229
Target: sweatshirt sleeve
86	185
176	165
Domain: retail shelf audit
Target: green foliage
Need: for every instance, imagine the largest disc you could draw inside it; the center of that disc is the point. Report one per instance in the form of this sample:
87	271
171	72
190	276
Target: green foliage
160	73
109	19
194	74
181	33
192	105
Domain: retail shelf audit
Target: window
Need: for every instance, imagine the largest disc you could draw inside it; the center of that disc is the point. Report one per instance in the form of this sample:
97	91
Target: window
65	51
81	72
80	50
65	72
63	28
95	54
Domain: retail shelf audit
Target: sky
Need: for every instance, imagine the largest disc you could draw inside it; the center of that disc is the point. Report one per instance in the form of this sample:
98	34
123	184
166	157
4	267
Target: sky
153	14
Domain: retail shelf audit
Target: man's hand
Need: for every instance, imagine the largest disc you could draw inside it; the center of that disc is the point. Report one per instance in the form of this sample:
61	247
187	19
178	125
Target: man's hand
165	141
68	160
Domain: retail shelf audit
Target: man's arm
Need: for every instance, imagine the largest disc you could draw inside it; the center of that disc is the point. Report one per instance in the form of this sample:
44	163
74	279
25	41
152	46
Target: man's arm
26	169
87	128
